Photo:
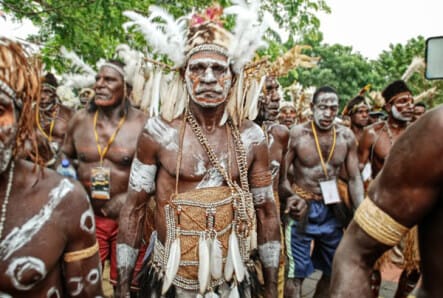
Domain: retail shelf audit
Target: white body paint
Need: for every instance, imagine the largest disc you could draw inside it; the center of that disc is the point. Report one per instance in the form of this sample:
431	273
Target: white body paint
262	194
20	266
77	281
164	134
252	136
200	165
270	254
275	168
87	216
20	236
4	295
213	177
142	176
126	255
52	293
397	115
93	276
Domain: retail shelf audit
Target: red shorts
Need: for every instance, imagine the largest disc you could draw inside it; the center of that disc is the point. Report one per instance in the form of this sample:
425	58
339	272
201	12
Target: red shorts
106	232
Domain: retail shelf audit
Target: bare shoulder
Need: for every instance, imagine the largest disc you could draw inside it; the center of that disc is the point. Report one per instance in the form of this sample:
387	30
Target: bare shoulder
346	133
79	117
374	128
251	133
66	112
137	114
279	131
300	130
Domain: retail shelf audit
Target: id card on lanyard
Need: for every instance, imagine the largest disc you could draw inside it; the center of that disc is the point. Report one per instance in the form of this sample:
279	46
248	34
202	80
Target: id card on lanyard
328	186
101	176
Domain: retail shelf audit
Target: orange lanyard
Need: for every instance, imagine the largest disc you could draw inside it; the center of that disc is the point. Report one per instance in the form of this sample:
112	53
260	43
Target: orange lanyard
323	164
102	152
51	126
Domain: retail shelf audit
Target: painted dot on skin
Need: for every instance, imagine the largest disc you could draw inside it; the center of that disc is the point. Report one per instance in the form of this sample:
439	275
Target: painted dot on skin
26	266
87	222
93	276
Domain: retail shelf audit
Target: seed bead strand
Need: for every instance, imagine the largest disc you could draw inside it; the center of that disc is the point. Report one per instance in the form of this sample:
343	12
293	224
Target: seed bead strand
6	200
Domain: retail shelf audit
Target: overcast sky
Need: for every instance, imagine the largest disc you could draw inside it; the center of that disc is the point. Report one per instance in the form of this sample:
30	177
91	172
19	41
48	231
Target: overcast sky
370	26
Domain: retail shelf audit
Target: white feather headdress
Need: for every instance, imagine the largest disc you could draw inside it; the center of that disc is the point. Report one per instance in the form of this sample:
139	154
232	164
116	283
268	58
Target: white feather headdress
84	75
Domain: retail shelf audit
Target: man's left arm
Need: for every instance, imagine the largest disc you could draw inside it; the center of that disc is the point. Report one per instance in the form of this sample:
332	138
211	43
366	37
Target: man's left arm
268	232
355	182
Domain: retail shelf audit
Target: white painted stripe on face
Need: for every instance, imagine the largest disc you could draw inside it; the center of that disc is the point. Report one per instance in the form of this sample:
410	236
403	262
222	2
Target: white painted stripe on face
142	176
20	266
20	236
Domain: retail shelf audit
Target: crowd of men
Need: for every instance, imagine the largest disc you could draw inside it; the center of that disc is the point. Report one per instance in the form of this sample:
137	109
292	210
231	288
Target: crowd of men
238	207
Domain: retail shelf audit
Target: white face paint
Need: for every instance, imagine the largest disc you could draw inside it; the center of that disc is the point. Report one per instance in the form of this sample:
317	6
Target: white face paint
20	236
325	109
208	79
262	194
252	136
21	267
87	221
166	135
126	255
8	130
399	116
77	281
142	177
93	276
52	293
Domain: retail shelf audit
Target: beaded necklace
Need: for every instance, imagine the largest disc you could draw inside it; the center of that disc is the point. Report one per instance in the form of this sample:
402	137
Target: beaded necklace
6	200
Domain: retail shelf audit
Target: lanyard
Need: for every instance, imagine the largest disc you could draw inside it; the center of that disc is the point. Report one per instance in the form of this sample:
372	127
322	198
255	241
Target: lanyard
51	126
323	164
102	152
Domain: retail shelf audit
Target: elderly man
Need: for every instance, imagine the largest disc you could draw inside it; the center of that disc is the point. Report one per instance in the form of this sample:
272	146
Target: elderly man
48	246
52	120
318	150
211	180
103	139
407	192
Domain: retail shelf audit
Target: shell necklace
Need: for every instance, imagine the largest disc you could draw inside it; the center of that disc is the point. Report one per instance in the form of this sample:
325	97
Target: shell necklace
6	200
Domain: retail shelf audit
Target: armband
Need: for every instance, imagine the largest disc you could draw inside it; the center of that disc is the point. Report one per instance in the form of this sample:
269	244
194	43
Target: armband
378	224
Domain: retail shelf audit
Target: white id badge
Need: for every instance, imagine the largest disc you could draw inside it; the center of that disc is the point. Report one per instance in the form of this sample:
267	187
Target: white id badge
329	190
367	172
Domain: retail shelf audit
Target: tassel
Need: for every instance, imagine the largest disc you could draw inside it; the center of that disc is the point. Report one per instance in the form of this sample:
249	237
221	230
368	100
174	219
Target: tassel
156	86
172	265
216	259
236	257
203	265
211	295
254	242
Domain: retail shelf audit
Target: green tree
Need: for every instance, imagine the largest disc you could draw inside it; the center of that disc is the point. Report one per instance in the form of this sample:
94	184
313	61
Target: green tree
92	28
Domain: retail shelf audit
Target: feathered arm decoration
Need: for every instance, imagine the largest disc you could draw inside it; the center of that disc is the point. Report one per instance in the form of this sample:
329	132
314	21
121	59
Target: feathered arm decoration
167	37
248	32
417	64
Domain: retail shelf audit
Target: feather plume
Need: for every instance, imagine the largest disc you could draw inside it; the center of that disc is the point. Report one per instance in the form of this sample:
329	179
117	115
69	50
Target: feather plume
248	32
216	259
79	81
167	108
416	65
204	263
167	37
234	292
237	261
425	94
77	62
229	267
182	99
172	265
147	91
255	94
211	295
155	101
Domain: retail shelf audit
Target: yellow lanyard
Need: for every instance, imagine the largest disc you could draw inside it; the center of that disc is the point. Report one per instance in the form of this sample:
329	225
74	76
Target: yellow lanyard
102	152
51	126
331	153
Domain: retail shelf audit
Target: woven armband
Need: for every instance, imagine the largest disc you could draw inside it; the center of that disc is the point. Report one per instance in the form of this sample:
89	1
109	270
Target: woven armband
378	224
80	254
261	179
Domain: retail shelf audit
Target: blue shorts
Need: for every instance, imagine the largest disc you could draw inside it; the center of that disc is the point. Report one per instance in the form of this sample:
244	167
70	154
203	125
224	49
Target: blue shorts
324	230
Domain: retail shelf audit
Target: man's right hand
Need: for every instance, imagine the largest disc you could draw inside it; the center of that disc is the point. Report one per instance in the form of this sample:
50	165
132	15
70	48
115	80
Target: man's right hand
296	207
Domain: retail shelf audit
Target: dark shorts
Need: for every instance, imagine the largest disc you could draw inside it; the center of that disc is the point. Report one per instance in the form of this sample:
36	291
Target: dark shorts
324	230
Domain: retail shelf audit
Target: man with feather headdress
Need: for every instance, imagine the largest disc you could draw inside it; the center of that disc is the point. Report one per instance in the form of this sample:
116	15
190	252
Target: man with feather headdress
102	138
48	246
206	166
